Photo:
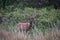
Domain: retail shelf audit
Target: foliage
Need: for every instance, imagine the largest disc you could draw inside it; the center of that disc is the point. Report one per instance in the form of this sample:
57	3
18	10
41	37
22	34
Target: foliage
46	18
23	3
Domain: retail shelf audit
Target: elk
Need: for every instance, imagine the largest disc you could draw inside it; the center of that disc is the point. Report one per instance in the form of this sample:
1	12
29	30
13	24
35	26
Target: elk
27	25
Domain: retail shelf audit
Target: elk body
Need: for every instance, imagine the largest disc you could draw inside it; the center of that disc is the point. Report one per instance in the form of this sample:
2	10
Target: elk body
25	26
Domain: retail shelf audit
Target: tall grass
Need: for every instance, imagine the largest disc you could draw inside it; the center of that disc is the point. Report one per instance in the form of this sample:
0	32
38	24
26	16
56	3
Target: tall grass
53	34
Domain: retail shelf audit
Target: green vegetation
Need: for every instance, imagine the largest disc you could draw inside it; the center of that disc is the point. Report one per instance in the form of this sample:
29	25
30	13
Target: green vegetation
14	11
46	18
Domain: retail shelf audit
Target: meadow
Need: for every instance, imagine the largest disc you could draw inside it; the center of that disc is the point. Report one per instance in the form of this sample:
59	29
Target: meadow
46	26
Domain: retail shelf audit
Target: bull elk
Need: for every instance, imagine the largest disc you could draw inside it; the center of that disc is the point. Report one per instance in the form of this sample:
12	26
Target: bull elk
27	25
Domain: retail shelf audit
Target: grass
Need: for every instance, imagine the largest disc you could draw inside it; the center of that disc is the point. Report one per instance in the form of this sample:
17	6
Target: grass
53	34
